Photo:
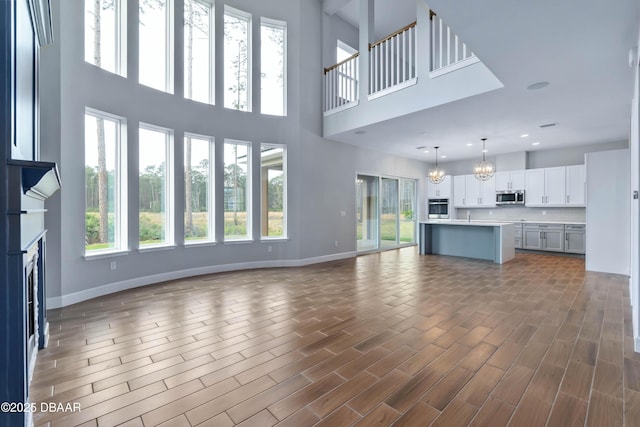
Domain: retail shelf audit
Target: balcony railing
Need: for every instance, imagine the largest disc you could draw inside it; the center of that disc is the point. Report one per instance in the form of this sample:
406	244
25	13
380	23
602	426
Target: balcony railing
392	63
392	60
341	83
446	47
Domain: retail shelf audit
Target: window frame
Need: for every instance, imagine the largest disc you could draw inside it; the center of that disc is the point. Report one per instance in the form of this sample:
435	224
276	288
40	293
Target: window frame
239	14
120	15
285	216
211	214
212	52
169	189
282	25
248	192
169	53
121	232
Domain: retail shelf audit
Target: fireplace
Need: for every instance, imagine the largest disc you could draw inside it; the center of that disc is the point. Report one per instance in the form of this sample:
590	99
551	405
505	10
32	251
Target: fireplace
32	337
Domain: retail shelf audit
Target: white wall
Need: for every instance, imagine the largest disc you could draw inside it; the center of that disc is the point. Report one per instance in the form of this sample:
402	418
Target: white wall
321	173
608	212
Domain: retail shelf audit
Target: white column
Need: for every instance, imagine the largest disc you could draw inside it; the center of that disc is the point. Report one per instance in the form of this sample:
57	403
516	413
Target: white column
367	35
423	40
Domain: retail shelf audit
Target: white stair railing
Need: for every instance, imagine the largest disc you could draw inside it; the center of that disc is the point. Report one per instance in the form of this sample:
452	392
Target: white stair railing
392	60
446	47
341	83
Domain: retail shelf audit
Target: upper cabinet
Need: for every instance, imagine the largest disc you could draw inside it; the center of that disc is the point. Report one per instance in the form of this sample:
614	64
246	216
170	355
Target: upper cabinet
545	187
471	193
439	191
510	180
459	190
575	185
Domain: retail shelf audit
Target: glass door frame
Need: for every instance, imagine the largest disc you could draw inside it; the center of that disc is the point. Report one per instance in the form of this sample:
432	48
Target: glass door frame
399	244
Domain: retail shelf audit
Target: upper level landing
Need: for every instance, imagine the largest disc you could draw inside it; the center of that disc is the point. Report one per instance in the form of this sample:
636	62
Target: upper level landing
419	66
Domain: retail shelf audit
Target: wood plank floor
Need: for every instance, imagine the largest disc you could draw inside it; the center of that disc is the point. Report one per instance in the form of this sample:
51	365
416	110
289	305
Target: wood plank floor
385	339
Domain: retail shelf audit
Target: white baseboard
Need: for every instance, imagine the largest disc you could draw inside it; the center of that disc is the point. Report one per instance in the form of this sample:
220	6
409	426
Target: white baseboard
65	300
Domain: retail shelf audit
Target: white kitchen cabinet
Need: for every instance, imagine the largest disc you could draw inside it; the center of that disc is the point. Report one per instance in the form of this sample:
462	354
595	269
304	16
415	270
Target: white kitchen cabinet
575	185
545	237
479	194
510	180
459	191
574	239
545	187
439	191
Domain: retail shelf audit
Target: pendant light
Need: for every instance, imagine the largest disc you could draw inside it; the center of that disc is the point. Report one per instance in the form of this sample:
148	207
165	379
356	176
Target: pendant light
485	169
436	175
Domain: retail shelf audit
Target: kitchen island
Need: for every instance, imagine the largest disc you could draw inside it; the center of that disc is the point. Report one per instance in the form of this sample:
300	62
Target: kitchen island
492	241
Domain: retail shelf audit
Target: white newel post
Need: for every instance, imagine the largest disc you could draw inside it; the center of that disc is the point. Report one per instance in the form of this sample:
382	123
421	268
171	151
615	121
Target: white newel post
423	40
367	35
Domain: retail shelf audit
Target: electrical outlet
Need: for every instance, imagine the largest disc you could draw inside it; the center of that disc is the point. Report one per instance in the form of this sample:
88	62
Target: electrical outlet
113	265
335	243
544	212
269	248
343	213
490	212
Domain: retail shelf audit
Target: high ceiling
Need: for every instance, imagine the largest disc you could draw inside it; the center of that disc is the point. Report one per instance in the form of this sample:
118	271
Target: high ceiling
580	48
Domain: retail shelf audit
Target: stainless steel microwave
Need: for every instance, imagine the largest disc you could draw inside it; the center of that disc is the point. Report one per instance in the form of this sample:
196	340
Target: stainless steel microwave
510	197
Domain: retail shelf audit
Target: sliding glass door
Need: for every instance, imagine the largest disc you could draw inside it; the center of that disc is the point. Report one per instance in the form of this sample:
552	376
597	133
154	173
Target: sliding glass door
386	212
408	212
389	215
367	212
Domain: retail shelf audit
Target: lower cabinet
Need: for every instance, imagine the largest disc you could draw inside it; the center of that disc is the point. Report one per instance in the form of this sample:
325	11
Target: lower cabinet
553	237
574	239
544	237
517	234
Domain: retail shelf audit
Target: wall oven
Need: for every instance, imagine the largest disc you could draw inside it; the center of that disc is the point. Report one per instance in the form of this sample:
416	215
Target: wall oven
510	197
438	208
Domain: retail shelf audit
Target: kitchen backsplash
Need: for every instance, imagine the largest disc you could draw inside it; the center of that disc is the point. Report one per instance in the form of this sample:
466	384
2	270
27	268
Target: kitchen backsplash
516	213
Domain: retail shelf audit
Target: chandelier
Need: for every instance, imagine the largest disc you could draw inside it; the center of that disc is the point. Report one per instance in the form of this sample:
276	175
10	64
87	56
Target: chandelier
485	169
436	175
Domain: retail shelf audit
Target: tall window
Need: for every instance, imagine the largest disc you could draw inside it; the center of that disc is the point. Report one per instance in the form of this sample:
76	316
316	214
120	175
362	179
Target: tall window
273	191
104	43
273	47
105	183
155	185
198	50
237	191
237	59
156	44
198	173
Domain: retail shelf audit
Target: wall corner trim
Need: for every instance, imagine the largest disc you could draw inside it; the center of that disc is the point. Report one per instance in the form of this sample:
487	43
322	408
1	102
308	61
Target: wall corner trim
74	298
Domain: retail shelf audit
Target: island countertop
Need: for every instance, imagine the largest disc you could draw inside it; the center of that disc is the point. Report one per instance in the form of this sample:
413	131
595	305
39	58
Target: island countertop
465	222
485	240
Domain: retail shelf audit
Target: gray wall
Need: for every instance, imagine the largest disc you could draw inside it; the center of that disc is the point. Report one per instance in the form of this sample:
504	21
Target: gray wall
321	180
536	159
335	28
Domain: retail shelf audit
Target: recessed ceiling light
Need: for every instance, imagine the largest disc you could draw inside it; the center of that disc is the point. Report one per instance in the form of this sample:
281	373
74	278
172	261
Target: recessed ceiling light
524	135
426	151
485	151
360	132
536	143
469	144
538	85
443	157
